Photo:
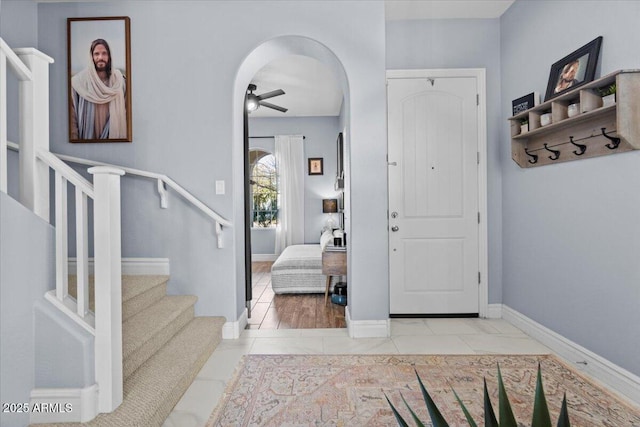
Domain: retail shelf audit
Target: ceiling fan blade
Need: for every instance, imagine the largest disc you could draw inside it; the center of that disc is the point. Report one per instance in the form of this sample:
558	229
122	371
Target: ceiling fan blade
271	94
275	107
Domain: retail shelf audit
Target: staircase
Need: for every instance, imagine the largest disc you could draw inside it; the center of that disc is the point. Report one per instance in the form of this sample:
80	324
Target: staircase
164	348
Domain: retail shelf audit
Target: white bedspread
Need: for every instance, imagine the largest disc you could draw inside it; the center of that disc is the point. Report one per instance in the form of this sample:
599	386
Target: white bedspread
298	269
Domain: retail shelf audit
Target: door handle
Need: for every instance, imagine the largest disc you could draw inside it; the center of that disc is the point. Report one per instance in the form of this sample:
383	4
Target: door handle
394	228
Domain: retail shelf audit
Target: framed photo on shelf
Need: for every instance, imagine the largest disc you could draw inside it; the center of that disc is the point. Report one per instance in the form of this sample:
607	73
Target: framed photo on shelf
99	79
316	166
574	70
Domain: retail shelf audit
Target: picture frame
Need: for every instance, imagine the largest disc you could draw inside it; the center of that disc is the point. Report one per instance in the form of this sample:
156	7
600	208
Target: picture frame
525	102
99	79
316	166
574	70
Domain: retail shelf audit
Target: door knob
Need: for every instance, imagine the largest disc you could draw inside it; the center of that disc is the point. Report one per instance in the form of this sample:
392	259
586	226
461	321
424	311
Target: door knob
394	228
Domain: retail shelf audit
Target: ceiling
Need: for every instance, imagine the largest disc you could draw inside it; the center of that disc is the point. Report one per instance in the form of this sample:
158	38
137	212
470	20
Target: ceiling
310	87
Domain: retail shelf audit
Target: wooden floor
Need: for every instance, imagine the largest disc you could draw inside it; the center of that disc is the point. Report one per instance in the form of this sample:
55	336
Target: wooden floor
289	311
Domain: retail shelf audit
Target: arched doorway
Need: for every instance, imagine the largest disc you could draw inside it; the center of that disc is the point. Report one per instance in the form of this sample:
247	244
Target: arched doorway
262	55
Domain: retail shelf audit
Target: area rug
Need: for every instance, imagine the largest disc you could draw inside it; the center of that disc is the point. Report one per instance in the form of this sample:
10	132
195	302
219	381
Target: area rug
349	390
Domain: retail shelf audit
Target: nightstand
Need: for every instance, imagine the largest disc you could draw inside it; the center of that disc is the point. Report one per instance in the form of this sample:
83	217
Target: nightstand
334	263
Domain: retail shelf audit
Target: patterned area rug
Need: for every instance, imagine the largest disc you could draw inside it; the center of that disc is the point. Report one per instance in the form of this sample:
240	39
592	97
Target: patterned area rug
348	390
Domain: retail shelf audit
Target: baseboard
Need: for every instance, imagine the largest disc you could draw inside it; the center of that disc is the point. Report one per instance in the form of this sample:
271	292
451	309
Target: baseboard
263	257
133	266
63	405
494	311
367	328
613	376
232	330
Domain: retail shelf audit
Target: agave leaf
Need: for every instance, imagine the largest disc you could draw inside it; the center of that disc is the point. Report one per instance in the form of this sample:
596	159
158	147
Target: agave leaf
401	422
413	414
541	417
467	415
507	419
563	419
489	416
436	417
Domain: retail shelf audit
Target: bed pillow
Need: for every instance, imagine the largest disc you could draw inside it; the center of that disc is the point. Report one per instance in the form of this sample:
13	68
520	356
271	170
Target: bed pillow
326	237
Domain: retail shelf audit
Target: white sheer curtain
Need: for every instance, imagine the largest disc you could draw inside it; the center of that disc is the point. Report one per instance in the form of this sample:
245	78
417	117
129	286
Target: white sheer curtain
290	164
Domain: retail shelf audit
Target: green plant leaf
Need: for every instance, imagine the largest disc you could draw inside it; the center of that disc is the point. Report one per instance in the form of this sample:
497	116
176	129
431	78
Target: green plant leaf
541	417
467	415
401	422
413	414
563	419
436	417
507	419
489	416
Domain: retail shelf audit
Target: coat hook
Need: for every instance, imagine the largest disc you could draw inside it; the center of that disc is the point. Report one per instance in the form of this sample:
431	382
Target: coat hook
534	157
581	147
556	153
614	141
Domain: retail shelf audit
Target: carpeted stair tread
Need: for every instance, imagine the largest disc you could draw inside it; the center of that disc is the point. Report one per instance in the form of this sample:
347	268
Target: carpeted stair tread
147	331
156	387
138	292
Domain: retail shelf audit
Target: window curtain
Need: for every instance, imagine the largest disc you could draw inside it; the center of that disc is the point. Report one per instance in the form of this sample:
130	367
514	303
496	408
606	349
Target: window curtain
290	165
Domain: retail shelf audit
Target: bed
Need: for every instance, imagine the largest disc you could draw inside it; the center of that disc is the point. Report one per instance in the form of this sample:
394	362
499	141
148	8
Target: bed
298	269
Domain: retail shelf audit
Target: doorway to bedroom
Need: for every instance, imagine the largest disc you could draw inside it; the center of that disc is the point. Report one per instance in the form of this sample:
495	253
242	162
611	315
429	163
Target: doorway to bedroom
297	98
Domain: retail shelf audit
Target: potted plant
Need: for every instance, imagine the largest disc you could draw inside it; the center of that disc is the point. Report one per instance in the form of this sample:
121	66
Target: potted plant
524	125
608	95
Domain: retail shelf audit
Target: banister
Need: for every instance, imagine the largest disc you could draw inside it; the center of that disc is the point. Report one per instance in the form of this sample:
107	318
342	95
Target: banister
69	173
164	178
23	73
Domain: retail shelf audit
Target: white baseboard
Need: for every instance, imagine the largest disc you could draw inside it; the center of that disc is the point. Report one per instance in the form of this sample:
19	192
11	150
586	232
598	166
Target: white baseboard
616	378
133	266
494	311
263	257
63	405
367	328
232	330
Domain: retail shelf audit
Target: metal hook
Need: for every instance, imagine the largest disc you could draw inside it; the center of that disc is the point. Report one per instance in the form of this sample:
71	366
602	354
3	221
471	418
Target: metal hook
614	141
556	153
581	147
533	156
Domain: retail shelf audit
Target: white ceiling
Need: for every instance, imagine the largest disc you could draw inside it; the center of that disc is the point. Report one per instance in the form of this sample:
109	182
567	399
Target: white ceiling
310	87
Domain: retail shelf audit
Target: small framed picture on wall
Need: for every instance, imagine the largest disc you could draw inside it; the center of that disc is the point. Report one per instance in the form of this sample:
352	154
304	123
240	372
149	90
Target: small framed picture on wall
315	166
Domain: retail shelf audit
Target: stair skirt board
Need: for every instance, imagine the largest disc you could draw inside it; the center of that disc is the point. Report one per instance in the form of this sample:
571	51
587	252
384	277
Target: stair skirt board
63	405
133	266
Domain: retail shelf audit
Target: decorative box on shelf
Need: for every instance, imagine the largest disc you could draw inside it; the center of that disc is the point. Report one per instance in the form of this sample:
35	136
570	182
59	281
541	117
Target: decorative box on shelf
595	130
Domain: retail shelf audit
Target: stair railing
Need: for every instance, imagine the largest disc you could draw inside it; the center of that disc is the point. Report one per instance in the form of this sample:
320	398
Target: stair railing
162	182
31	68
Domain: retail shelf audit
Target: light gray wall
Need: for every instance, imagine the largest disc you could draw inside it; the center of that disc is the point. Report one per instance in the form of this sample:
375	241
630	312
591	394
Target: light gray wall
185	58
462	43
571	237
26	273
320	134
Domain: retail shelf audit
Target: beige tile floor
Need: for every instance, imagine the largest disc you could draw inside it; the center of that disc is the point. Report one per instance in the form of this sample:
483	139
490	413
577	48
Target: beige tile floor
408	336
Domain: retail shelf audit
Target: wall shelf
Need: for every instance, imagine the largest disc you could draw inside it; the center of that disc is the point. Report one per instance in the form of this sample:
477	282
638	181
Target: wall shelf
582	136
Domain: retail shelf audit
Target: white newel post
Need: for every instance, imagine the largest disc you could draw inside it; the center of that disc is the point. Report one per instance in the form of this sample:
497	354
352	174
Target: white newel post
34	132
108	286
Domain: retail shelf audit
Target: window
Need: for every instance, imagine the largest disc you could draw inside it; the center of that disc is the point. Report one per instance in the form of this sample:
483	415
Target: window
264	189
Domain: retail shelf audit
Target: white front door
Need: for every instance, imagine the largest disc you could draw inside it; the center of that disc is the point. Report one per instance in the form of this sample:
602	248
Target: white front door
433	195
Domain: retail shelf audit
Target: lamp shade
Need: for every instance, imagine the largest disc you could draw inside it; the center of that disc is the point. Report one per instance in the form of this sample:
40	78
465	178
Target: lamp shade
329	205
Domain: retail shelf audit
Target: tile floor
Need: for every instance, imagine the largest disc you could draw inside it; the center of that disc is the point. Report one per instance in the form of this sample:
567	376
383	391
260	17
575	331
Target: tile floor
408	336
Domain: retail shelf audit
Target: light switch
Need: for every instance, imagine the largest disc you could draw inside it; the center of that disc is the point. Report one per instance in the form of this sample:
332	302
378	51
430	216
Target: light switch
219	187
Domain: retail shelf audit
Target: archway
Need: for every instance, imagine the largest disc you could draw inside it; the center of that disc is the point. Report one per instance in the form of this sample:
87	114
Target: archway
265	53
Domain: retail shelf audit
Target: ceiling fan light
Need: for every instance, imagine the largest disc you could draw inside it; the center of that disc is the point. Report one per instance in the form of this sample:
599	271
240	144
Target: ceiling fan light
252	103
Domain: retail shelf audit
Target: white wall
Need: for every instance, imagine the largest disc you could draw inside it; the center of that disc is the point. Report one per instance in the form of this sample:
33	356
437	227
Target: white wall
571	236
26	273
185	58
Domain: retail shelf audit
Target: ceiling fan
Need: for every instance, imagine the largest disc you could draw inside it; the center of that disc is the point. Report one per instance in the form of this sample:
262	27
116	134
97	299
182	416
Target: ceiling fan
255	101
